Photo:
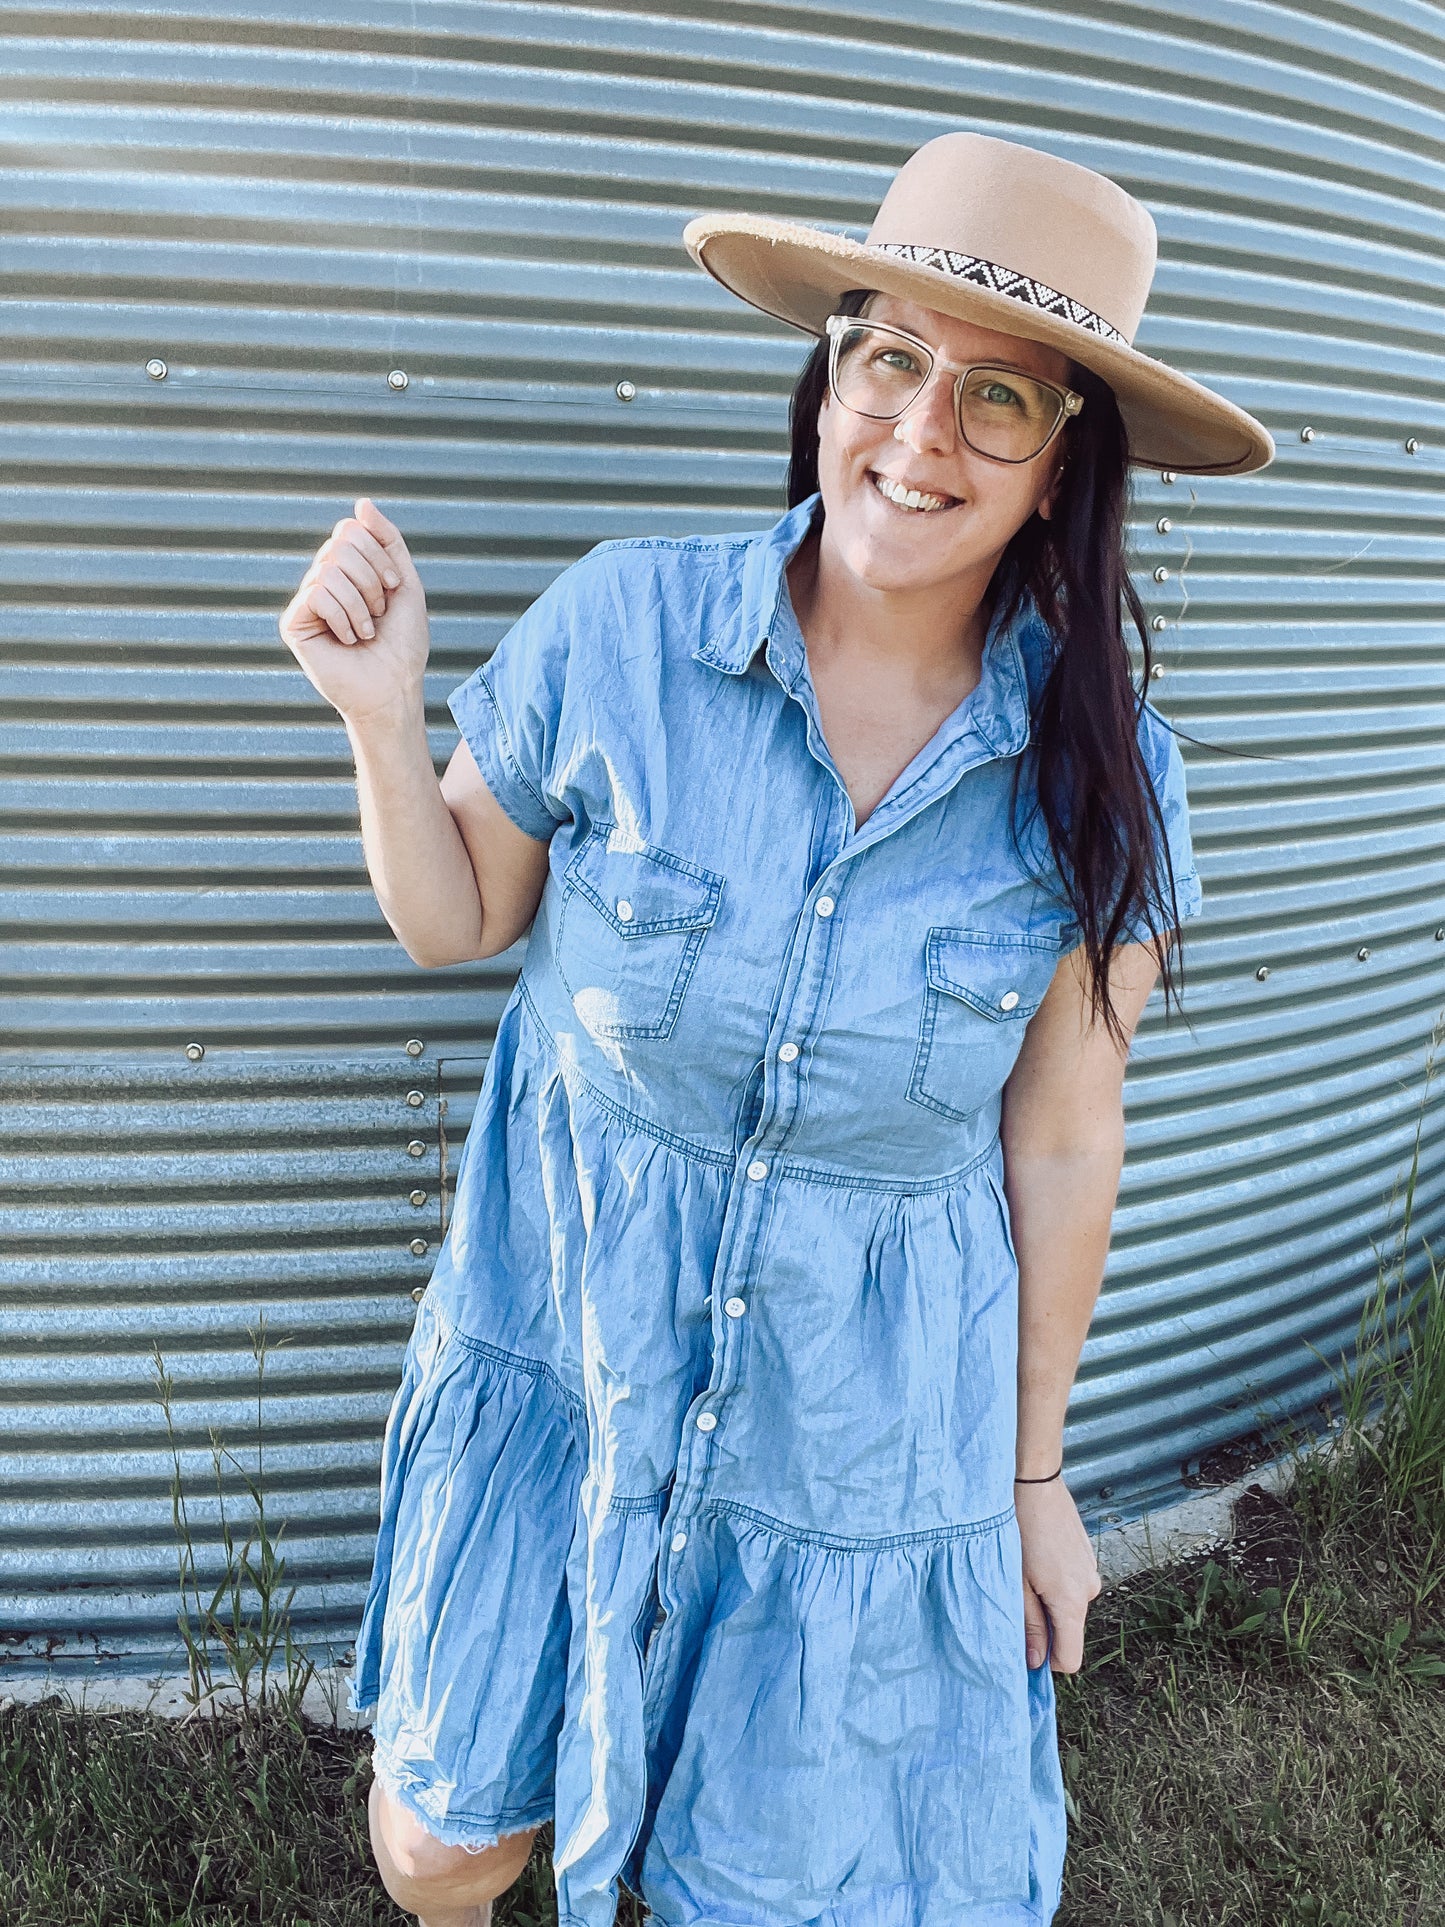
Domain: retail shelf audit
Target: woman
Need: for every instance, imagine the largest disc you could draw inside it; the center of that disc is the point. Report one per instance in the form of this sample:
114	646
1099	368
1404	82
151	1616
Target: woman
722	1516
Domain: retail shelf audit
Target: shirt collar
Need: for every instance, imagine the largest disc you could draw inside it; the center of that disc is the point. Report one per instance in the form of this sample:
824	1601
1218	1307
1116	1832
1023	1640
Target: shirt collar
1016	652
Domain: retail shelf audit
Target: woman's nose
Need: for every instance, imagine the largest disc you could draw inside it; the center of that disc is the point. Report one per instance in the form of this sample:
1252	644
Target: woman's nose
928	422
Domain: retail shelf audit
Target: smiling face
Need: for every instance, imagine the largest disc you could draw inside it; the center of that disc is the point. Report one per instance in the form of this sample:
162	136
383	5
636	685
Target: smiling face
972	506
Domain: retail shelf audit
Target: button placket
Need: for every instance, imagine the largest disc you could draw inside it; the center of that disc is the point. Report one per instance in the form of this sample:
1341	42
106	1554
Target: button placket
744	1229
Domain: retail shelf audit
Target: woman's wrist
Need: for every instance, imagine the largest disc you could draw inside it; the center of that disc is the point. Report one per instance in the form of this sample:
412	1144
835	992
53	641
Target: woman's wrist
402	720
1044	1478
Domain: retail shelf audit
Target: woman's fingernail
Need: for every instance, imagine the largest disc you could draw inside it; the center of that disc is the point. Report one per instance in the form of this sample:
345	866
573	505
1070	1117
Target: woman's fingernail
1034	1655
367	629
392	579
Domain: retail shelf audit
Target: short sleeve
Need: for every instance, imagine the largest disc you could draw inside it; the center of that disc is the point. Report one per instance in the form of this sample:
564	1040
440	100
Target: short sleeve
510	710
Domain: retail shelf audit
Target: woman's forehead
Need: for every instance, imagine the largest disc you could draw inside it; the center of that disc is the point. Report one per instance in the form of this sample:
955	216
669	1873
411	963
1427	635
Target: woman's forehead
959	340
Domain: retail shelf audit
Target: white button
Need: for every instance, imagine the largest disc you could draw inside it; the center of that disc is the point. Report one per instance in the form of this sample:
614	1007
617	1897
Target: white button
679	1540
624	910
734	1307
1008	1000
706	1421
787	1052
824	906
757	1169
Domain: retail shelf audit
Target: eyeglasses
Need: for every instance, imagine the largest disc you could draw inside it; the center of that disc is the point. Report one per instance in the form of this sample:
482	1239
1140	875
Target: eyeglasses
879	371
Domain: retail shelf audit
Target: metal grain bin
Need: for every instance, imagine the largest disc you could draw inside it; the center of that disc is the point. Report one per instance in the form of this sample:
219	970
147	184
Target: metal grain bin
259	259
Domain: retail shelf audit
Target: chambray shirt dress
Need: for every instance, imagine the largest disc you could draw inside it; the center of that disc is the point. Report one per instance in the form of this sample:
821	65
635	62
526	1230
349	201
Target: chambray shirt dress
697	1528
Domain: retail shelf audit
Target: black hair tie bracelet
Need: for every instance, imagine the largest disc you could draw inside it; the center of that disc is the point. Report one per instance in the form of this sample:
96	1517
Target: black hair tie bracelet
1052	1475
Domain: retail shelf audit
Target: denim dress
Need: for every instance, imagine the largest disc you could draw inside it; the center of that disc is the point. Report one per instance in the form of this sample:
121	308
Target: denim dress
697	1525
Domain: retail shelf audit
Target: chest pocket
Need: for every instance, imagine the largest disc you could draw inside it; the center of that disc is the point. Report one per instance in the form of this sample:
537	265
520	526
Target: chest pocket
981	990
632	921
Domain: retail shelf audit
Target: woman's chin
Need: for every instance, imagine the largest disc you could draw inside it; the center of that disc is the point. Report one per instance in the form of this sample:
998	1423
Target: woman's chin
896	562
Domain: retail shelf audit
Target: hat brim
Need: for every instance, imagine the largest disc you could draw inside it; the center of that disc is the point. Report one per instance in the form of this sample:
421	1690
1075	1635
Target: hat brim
796	273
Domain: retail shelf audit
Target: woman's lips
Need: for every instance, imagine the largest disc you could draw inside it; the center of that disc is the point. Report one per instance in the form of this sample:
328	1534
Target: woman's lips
911	501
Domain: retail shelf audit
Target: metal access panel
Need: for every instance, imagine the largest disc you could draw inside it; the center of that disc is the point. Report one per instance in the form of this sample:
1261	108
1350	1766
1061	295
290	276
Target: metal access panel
258	258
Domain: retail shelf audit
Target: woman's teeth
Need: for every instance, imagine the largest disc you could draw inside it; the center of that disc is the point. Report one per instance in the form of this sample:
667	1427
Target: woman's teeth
910	498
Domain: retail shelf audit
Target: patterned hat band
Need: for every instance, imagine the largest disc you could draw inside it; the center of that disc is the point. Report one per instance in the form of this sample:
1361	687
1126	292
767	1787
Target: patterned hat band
1021	287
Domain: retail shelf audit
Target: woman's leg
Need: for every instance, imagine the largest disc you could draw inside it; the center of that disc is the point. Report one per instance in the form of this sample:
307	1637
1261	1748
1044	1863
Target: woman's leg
444	1886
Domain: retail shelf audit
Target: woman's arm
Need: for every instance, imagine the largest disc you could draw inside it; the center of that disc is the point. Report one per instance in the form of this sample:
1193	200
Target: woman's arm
455	877
1063	1144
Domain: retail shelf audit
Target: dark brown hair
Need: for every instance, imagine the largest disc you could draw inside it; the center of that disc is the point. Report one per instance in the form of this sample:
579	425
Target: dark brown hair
1104	824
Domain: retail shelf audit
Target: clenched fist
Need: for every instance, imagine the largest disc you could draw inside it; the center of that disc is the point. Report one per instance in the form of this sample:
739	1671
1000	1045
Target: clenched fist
358	623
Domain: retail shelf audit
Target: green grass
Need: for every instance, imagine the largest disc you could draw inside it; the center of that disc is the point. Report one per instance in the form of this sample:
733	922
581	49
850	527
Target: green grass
1256	1738
1259	1737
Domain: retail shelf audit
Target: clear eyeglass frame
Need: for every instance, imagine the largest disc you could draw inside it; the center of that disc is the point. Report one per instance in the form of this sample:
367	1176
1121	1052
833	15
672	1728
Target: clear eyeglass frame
1070	403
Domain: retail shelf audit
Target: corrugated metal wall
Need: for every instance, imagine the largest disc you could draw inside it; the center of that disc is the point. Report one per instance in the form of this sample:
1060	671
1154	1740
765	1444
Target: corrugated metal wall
259	258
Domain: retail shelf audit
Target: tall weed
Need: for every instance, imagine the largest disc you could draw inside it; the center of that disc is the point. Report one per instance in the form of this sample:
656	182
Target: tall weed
1380	1478
239	1641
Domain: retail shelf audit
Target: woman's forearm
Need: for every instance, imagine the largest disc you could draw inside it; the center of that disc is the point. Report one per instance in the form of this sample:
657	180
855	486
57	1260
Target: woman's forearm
419	865
1061	1204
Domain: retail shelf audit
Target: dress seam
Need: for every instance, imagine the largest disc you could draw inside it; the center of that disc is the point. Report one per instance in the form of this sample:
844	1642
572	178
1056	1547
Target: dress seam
833	1541
511	1361
723	1160
640	1504
402	1781
897	1187
700	1153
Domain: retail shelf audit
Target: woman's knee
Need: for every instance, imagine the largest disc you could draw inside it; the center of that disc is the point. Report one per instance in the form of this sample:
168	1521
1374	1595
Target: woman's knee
418	1869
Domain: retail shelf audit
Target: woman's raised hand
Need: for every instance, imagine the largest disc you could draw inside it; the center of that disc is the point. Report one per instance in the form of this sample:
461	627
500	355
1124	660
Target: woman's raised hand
358	623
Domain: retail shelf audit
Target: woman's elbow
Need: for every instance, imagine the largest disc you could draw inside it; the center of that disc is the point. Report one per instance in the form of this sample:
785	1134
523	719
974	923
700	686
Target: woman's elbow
434	950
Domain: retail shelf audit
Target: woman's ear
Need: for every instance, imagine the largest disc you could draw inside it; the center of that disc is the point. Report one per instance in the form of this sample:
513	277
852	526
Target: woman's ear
1051	493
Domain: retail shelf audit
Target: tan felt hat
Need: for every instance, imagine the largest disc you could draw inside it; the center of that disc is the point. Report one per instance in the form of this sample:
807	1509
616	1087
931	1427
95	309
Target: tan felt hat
1009	238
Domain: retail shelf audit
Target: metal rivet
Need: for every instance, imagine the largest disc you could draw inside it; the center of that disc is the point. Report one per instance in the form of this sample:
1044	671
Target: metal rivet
1363	952
156	368
416	1149
1008	1000
1440	934
1161	574
397	378
195	1052
624	910
418	1292
1158	623
1106	1492
417	1247
1307	434
1167	476
414	1047
626	389
1163	525
1412	447
1262	972
418	1198
416	1099
1156	670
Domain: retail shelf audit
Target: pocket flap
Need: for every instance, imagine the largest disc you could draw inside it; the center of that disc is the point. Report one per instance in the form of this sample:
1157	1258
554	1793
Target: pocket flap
640	889
1001	977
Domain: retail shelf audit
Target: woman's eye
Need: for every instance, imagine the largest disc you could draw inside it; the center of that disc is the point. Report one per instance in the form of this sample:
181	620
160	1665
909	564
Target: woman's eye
999	395
899	360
